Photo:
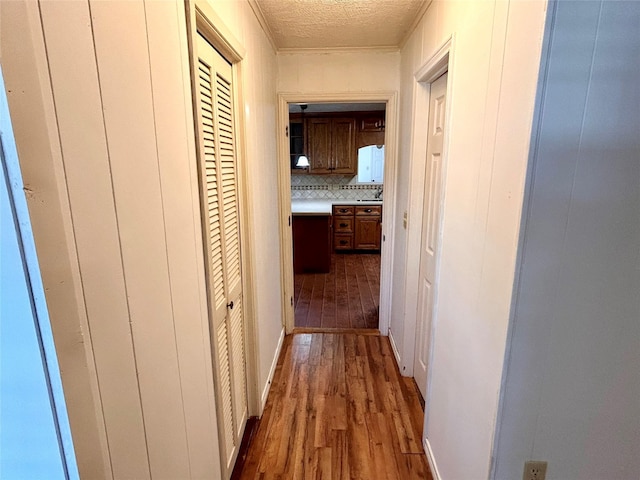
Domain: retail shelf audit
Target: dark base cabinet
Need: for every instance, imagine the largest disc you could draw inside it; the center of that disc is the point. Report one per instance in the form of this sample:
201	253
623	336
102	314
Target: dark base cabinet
311	243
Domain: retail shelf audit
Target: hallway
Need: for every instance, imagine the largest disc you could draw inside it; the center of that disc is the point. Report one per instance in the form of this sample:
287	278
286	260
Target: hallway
338	409
346	297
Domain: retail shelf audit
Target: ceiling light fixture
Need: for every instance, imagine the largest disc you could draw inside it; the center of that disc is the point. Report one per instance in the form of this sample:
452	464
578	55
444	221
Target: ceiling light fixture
303	160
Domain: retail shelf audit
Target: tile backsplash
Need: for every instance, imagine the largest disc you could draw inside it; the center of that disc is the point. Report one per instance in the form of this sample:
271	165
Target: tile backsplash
338	187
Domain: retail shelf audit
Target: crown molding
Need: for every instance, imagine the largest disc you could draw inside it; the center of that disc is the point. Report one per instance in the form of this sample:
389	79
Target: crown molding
326	50
263	23
415	23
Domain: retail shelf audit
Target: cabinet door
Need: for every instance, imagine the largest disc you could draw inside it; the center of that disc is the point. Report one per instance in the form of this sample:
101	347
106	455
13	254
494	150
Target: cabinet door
319	144
343	146
367	235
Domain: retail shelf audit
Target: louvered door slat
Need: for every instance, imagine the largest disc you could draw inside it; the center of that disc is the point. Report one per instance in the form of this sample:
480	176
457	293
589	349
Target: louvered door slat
237	342
224	365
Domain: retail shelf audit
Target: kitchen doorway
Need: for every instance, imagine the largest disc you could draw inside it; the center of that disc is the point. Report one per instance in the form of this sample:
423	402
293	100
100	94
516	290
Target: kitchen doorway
336	153
336	163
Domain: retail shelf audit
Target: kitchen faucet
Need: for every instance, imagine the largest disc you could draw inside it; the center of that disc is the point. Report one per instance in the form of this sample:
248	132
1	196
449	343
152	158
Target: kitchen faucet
378	193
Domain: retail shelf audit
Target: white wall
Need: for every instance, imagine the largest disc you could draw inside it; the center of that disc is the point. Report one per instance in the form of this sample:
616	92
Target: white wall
100	98
572	388
494	68
338	72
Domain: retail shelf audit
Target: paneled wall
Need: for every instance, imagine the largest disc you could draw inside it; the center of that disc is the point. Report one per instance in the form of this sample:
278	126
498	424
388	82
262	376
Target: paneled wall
101	103
572	386
493	77
100	98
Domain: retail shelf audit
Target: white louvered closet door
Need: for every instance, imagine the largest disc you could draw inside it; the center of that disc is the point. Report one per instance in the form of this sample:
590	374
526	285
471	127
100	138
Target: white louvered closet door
218	158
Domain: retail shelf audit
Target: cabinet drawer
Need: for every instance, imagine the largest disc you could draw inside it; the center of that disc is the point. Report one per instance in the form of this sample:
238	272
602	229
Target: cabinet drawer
343	242
343	209
369	210
343	224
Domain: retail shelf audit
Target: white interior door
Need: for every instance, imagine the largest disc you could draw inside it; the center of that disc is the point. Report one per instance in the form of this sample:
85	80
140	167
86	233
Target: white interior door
429	245
219	189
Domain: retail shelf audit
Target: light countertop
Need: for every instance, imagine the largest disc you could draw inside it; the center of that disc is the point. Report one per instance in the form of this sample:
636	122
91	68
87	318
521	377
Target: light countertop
323	206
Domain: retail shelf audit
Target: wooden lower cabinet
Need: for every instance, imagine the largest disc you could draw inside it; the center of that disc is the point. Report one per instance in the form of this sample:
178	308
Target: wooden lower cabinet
357	227
367	234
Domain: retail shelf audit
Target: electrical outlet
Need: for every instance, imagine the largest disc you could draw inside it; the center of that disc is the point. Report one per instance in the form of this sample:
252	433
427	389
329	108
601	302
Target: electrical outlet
534	470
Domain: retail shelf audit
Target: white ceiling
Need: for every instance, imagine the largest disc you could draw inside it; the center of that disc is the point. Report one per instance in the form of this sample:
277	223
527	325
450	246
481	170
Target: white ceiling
316	24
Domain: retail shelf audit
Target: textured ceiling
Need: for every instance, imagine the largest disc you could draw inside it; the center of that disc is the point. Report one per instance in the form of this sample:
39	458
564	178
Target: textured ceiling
306	24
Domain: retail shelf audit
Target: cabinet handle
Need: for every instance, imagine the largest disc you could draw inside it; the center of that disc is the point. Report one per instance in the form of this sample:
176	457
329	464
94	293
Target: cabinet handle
343	242
343	225
343	210
368	210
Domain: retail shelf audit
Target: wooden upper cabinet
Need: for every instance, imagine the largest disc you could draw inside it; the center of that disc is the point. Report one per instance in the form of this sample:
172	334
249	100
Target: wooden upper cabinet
332	145
343	147
370	129
372	123
319	144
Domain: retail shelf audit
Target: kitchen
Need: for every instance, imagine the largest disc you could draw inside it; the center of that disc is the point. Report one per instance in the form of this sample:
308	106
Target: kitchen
337	169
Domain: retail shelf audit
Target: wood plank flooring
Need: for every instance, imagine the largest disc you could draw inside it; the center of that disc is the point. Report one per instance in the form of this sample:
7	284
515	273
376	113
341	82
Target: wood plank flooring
346	297
338	409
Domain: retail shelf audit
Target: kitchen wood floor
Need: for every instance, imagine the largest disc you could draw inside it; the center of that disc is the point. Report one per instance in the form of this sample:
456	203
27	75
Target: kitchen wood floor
346	297
338	409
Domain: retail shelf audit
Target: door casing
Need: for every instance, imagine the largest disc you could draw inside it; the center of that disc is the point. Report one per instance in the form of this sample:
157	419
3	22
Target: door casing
389	210
440	62
430	223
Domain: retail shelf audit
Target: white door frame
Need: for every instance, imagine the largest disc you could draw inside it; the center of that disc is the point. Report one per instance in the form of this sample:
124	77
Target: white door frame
388	212
440	62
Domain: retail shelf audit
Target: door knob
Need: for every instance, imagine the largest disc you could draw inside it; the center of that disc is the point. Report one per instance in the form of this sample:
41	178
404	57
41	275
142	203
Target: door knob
230	305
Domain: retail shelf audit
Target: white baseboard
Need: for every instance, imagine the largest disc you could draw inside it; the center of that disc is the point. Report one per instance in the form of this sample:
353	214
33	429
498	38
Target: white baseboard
432	461
272	370
395	350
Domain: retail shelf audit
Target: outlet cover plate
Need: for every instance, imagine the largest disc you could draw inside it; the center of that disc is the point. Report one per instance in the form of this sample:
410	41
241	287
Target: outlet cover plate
534	470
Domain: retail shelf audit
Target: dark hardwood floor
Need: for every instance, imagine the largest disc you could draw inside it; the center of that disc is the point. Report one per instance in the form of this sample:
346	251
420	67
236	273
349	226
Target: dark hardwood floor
346	297
338	409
